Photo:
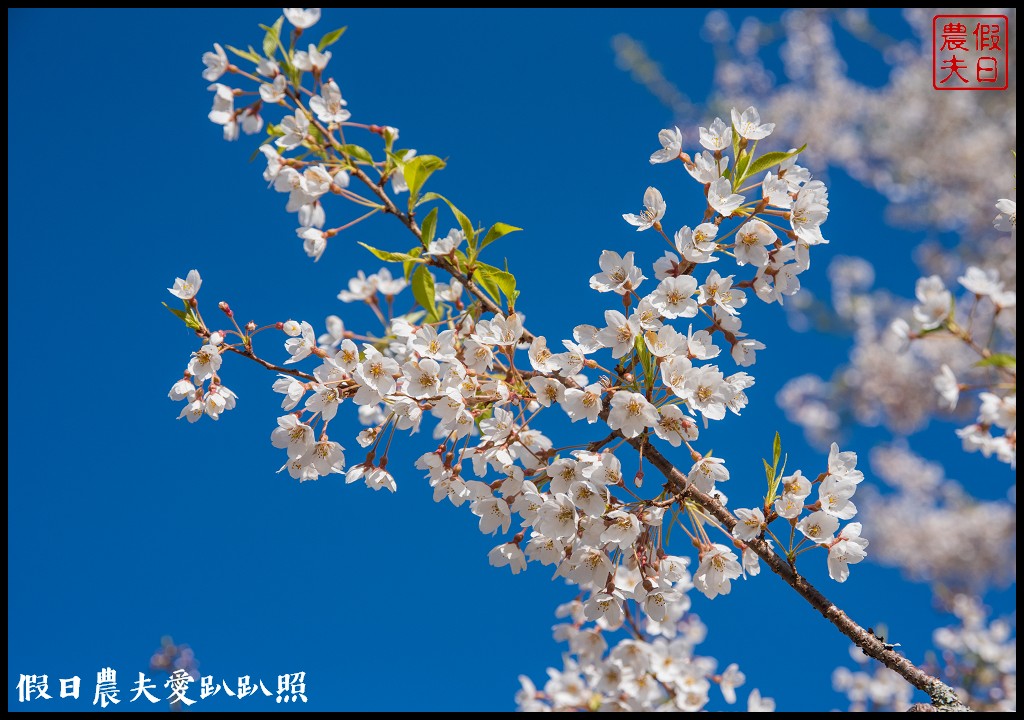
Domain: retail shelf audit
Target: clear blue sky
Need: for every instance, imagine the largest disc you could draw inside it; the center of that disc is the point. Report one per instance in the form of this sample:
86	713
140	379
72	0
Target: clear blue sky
125	524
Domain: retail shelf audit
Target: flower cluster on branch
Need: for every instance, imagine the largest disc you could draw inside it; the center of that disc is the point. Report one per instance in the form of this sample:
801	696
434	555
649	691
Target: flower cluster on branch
460	363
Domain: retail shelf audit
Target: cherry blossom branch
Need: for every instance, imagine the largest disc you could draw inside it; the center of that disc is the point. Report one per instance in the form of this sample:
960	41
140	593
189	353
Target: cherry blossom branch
965	336
248	353
411	389
410	222
943	696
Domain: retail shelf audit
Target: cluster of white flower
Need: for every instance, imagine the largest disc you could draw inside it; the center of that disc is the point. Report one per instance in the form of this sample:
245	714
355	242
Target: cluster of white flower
874	689
935	311
656	671
946	189
461	358
864	124
463	371
979	656
277	86
913	360
850	124
214	398
925	525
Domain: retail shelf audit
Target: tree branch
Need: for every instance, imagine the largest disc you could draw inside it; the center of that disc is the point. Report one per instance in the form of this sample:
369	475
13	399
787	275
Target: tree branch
943	697
268	365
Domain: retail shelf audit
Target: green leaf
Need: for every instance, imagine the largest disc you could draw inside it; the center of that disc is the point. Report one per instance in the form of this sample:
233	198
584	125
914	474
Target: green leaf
464	223
429	228
769	472
273	37
395	161
641	348
414	316
180	314
776	450
387	256
416	172
998	360
735	145
185	315
505	281
423	291
294	74
498	230
741	165
770	160
330	38
357	153
408	265
515	293
485	281
244	54
646	359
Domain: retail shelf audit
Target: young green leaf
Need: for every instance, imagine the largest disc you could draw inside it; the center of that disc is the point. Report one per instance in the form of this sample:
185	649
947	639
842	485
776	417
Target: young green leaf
269	42
387	256
998	360
464	223
185	316
293	73
741	166
504	281
244	54
273	38
515	293
408	265
180	314
395	160
485	281
770	160
423	291
357	153
646	359
416	172
776	450
497	231
429	228
507	282
330	38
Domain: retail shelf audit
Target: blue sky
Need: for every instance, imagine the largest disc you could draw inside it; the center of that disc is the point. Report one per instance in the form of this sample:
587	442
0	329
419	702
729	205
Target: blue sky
125	525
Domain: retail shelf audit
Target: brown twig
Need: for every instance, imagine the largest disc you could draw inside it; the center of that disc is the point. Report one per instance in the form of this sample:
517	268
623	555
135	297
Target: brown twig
269	366
943	697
